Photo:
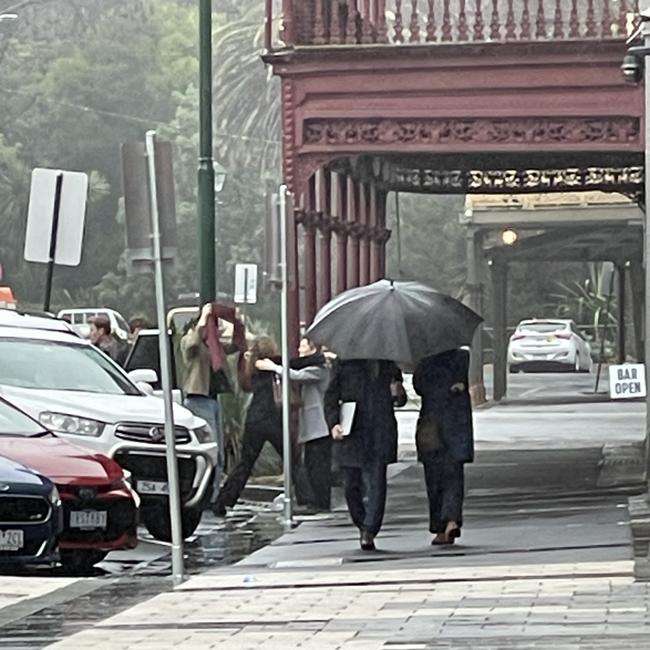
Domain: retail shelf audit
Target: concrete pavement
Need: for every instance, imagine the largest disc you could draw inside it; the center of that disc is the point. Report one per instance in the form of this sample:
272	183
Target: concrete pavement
544	562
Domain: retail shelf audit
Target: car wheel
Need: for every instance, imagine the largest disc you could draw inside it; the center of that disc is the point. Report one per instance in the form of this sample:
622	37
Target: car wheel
80	562
159	524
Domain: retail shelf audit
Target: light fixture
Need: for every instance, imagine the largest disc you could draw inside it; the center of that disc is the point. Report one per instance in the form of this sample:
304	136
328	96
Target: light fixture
220	175
509	237
8	16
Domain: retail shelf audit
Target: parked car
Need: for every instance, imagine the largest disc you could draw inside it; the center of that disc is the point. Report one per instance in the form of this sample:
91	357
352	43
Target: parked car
100	508
79	393
31	517
547	345
80	320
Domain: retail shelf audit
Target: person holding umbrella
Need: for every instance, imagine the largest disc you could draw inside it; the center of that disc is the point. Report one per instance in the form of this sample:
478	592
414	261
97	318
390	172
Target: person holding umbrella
367	444
444	438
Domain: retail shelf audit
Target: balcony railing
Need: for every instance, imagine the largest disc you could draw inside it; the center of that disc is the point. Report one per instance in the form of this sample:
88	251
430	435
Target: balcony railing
397	22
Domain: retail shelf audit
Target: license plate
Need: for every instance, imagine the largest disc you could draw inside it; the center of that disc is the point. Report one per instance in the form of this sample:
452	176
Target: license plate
88	519
11	540
152	487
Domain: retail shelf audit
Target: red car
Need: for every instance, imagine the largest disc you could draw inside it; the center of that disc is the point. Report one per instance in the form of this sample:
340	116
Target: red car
100	508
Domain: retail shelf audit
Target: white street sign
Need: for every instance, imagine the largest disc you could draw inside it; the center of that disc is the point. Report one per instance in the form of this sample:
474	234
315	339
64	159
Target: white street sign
245	284
627	381
40	216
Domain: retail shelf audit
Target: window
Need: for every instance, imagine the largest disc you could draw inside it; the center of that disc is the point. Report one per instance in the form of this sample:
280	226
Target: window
51	365
14	422
542	327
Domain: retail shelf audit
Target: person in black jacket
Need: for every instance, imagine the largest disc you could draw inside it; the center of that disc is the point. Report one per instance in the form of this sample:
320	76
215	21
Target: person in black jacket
444	438
371	445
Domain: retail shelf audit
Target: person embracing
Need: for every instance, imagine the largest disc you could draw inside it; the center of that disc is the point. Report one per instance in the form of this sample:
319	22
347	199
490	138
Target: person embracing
444	438
310	371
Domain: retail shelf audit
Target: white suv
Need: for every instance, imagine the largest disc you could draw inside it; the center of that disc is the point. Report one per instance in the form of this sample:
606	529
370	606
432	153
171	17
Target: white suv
77	391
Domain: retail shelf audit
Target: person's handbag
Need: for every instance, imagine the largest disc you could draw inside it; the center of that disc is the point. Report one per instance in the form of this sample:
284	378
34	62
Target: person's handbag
277	391
427	435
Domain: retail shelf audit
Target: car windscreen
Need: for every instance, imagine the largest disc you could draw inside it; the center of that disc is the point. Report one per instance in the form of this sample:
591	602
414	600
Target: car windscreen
54	365
13	422
542	328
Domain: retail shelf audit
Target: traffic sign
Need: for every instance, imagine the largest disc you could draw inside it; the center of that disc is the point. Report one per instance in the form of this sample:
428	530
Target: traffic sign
245	284
55	219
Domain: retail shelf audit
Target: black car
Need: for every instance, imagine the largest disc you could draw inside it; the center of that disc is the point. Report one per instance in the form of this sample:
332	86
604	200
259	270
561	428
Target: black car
31	517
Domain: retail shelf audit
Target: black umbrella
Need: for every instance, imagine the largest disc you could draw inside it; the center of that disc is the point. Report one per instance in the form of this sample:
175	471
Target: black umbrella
399	321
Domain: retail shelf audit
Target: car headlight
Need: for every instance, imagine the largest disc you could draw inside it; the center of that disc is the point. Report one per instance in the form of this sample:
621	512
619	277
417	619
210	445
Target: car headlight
62	423
55	497
204	434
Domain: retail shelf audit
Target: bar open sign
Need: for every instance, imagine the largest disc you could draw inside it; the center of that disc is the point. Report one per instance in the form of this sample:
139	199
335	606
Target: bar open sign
627	381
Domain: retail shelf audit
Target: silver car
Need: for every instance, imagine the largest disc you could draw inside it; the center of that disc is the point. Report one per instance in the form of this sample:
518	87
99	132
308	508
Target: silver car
548	344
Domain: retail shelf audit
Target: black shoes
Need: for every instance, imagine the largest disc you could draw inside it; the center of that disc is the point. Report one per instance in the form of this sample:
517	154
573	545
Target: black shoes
219	509
366	541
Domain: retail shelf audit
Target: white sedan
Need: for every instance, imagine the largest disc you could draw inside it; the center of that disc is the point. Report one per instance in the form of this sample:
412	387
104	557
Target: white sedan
548	344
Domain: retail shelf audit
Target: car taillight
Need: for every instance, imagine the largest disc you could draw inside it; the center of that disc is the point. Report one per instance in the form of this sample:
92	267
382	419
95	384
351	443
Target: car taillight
517	337
564	335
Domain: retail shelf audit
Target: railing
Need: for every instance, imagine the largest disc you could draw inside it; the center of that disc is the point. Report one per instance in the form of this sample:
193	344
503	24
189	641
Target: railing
396	22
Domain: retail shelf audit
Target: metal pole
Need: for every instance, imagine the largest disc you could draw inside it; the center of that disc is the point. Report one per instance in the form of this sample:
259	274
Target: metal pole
207	230
286	433
165	369
53	241
621	346
646	243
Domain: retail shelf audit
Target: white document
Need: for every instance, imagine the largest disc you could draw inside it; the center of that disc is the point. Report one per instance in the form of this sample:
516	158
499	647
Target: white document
348	411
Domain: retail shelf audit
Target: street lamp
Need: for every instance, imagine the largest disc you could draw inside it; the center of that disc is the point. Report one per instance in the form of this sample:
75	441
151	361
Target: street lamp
220	176
8	17
509	237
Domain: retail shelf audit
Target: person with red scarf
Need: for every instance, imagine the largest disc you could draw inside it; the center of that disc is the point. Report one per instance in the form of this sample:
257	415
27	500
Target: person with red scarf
206	376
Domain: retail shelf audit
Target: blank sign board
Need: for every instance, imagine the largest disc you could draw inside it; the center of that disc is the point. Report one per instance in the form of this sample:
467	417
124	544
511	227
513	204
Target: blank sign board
74	190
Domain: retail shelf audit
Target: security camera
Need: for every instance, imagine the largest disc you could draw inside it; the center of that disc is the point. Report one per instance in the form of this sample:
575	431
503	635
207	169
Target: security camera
632	68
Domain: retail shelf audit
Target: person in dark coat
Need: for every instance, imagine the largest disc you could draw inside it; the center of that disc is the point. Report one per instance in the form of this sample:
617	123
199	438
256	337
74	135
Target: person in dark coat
371	444
444	438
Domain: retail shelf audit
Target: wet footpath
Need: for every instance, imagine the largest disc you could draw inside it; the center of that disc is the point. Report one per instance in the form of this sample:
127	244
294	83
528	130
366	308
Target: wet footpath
546	560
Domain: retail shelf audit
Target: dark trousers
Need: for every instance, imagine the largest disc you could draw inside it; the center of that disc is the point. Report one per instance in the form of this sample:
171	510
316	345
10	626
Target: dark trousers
255	435
445	481
365	493
318	464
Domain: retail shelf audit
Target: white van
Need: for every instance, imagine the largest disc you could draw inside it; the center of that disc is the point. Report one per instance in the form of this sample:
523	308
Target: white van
80	320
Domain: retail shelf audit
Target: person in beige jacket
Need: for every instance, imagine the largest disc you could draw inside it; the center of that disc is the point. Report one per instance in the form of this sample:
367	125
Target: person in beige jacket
202	384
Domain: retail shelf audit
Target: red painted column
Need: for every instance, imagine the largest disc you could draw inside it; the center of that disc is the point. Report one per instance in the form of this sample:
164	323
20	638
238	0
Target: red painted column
351	218
384	236
309	261
341	230
373	234
364	242
323	212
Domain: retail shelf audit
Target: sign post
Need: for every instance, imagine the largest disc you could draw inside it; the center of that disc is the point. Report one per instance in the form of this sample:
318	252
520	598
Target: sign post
245	284
286	432
57	206
165	368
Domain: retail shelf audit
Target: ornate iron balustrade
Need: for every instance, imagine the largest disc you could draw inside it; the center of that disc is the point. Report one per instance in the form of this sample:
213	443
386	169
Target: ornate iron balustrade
397	22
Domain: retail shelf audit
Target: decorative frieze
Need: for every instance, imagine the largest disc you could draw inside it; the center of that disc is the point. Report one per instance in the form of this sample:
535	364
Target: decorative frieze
479	131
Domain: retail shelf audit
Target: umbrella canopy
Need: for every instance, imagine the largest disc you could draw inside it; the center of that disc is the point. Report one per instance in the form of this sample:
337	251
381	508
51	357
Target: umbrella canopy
398	321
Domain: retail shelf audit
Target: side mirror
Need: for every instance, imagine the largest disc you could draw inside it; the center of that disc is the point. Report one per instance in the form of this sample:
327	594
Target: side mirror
147	389
143	376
